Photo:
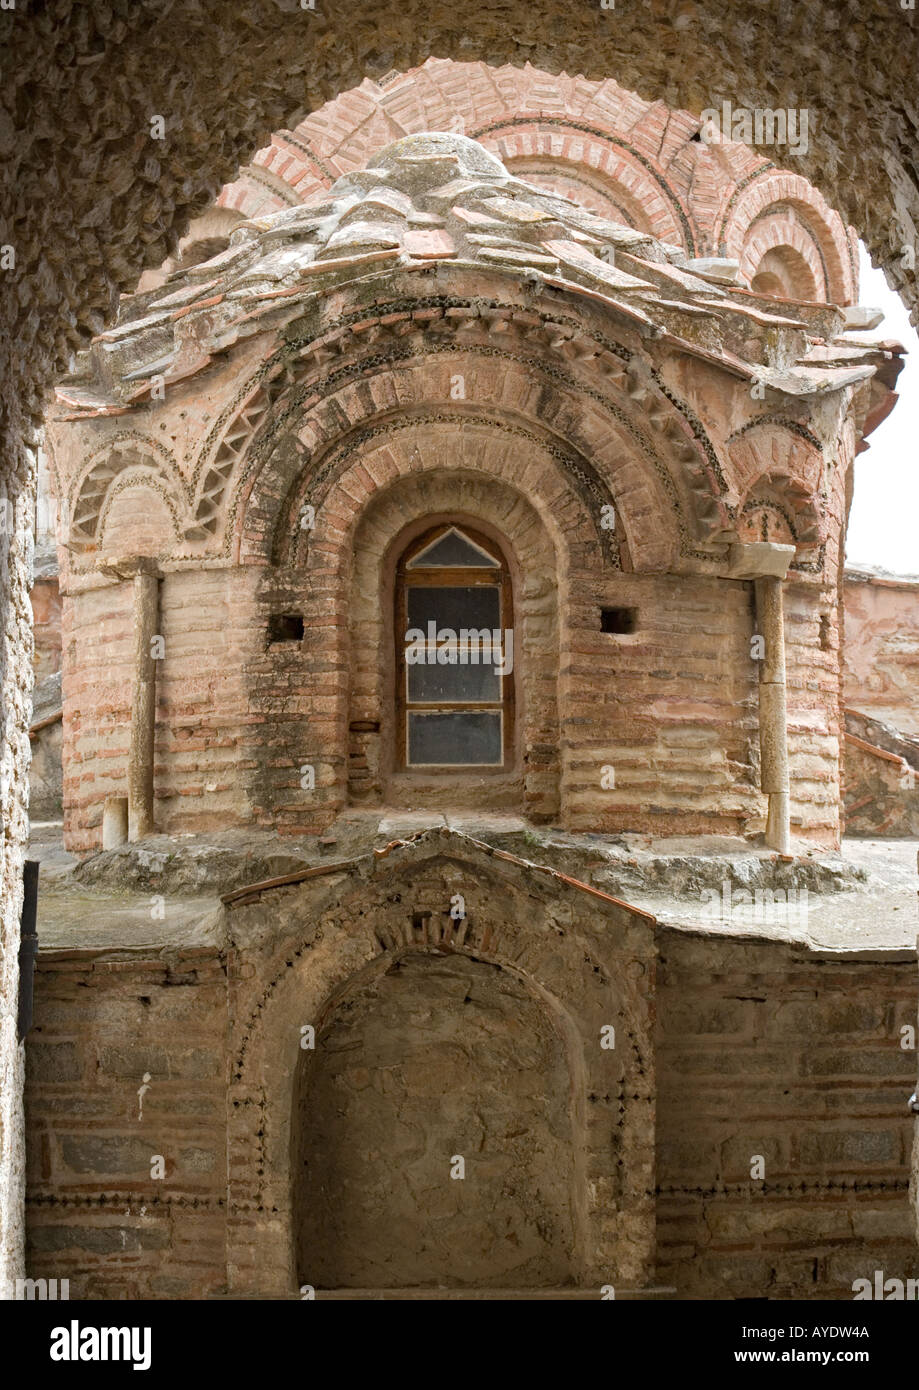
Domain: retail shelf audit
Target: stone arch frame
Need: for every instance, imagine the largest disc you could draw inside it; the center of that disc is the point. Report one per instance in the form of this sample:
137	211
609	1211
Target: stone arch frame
534	493
781	465
540	565
652	448
297	951
105	472
774	204
244	76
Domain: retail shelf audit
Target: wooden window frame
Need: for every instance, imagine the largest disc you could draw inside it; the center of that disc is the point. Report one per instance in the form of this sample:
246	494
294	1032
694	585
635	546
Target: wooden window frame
453	577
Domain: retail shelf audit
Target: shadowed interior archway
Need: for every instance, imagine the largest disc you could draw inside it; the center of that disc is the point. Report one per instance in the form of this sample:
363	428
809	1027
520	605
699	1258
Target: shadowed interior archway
433	1133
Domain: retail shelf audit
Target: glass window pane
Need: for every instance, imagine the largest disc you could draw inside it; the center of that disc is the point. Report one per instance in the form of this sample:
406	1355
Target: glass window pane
468	678
465	606
453	549
455	738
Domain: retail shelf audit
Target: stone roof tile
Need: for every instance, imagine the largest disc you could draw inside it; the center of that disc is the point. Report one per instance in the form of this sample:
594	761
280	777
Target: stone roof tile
443	197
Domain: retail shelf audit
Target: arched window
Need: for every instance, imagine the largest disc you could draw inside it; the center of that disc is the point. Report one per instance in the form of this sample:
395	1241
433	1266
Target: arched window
454	652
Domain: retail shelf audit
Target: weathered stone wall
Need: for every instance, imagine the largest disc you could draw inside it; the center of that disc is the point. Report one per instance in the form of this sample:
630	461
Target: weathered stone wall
761	1048
16	497
438	1059
45	772
46	626
880	677
95	1127
203	758
881	653
671	707
354	414
767	1049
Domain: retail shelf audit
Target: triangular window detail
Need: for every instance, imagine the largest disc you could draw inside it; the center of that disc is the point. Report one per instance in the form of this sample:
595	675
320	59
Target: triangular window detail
453	550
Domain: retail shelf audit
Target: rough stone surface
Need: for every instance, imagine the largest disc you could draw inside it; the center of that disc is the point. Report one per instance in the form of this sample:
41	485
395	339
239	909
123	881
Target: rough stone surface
441	1057
289	1172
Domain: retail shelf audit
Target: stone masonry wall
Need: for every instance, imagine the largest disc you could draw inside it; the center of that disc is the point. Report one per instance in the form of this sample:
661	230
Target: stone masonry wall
796	1056
881	654
97	1215
762	1048
16	496
672	707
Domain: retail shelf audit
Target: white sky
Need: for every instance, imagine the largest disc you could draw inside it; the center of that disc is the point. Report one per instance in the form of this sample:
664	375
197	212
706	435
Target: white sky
884	522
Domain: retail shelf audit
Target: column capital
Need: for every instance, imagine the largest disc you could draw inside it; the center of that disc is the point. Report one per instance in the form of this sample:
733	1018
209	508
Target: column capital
759	560
127	566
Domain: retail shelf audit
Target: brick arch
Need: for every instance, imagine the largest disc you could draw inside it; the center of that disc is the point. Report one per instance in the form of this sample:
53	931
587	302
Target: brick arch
617	172
473	441
595	141
541	564
128	458
780	261
597	133
319	941
775	465
779	208
505	482
619	424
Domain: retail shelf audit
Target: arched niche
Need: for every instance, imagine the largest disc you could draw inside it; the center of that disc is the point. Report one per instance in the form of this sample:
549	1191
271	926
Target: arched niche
433	1135
539	563
300	956
783	272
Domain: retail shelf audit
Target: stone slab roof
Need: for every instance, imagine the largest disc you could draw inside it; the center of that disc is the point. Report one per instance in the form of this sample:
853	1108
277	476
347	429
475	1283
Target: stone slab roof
443	198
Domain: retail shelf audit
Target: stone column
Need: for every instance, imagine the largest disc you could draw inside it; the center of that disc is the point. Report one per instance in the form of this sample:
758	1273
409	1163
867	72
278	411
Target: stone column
766	563
145	576
773	721
17	500
143	705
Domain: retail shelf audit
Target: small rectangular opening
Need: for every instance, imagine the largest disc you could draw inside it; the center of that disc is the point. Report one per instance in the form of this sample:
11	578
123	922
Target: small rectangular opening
285	627
618	620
